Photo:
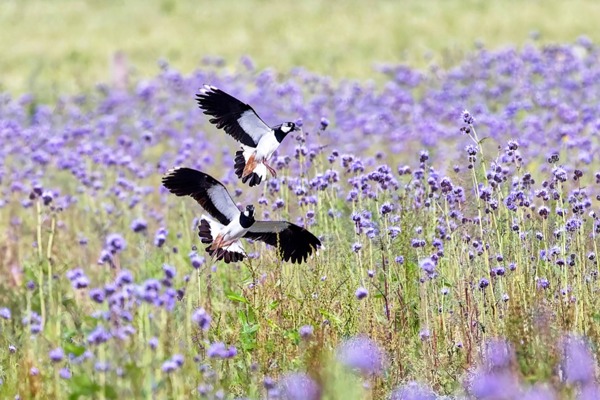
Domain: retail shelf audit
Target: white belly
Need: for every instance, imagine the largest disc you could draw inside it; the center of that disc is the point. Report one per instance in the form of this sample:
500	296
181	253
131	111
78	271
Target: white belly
233	231
266	146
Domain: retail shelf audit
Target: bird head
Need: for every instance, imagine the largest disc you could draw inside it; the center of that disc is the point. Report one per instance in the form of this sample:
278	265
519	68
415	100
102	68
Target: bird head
247	216
282	130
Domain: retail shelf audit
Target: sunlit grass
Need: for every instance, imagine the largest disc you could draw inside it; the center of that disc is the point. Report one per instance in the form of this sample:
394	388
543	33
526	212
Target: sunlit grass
52	47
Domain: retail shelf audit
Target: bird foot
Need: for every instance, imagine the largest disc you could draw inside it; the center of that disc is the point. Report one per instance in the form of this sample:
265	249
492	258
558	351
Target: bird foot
271	169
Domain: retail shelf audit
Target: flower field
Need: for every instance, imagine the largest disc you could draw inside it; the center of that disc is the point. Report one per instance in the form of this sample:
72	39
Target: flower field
458	209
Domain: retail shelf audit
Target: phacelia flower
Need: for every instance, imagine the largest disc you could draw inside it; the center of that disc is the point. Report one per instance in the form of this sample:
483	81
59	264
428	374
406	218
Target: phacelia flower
361	293
362	354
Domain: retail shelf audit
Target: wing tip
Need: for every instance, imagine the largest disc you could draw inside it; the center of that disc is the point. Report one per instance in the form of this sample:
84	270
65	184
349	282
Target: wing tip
207	89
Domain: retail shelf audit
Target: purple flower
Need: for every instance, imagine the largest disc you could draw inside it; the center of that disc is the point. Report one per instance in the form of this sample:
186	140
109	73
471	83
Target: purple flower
427	265
467	117
361	293
231	352
115	243
217	350
178	359
386	208
153	343
169	366
47	197
124	278
543	283
197	260
56	355
298	386
5	313
98	335
201	318
64	373
539	392
362	354
413	391
169	271
306	331
139	225
483	283
160	237
33	371
97	294
81	282
590	391
12	349
498	354
493	385
356	247
578	363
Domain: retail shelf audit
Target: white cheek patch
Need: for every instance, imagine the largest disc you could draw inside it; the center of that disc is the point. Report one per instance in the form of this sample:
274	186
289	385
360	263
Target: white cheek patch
285	129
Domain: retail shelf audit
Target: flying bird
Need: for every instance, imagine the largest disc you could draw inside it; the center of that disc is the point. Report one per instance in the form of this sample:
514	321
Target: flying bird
239	120
225	225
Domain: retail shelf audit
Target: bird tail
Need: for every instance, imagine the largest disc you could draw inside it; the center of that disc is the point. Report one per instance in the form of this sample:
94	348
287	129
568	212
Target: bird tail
208	231
246	172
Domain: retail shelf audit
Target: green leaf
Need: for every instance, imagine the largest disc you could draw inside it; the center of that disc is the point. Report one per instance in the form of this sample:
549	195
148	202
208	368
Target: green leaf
110	392
237	297
74	349
82	385
274	304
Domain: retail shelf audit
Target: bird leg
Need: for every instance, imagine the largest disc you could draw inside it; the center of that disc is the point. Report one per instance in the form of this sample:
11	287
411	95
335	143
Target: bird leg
221	243
217	243
271	169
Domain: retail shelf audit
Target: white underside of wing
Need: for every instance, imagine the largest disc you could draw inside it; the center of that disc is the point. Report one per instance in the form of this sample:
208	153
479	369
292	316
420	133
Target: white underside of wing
235	247
223	202
215	226
253	125
216	229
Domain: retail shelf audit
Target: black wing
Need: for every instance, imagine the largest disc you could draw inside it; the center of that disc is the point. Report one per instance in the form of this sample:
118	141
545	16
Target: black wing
236	118
292	241
206	190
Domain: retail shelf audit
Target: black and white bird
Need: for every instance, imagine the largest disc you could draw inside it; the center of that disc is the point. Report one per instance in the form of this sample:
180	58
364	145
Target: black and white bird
225	225
239	120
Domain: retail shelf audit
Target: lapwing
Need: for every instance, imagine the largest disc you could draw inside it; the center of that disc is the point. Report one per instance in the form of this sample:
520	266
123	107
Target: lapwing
225	225
259	141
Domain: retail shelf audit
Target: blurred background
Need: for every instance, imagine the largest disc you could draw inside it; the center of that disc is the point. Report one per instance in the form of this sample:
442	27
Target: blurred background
69	46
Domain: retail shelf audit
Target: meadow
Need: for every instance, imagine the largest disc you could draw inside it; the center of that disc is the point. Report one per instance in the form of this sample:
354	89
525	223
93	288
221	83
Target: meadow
457	205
